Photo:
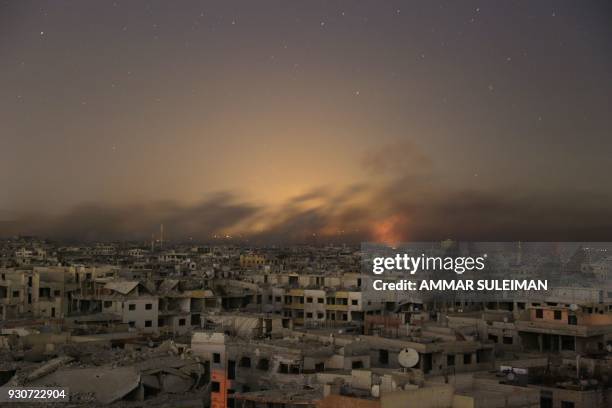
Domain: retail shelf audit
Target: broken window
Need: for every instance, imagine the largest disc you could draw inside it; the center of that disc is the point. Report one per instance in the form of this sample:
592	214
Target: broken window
263	364
383	356
231	370
245	362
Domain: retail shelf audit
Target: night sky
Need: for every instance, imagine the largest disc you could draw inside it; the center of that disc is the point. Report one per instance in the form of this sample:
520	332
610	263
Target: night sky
291	121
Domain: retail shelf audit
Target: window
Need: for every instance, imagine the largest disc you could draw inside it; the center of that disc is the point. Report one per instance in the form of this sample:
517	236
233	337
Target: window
450	360
319	367
283	368
355	302
148	306
507	340
567	404
132	324
231	370
216	358
309	315
277	299
383	356
467	358
108	303
216	387
320	315
320	300
539	314
263	364
245	362
181	322
57	293
572	319
557	315
15	293
357	364
148	323
308	300
132	307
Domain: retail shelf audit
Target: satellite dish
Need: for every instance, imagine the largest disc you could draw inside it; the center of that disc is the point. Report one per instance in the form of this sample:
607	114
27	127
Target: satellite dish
573	307
408	358
511	376
376	390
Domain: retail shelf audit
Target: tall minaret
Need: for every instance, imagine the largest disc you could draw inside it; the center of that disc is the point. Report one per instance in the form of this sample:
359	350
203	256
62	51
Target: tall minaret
161	236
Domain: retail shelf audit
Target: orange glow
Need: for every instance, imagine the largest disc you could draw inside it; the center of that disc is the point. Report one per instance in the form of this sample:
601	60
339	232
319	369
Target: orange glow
391	230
